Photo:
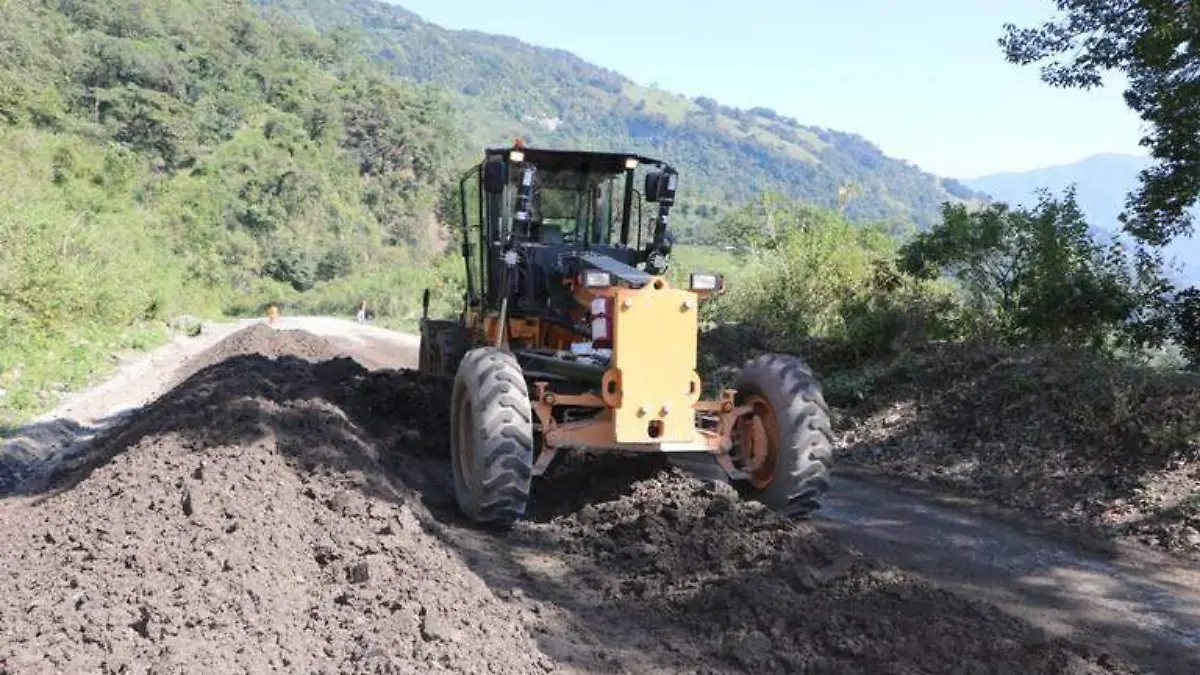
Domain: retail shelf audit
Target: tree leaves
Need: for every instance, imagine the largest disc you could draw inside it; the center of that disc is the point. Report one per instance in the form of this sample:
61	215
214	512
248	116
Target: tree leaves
1039	270
259	148
1156	43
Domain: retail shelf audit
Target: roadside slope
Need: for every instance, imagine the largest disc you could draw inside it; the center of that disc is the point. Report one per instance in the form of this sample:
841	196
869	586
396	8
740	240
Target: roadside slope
1065	437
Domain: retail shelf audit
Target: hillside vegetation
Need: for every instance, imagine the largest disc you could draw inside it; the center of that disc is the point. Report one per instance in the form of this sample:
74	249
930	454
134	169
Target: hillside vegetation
508	89
160	158
208	158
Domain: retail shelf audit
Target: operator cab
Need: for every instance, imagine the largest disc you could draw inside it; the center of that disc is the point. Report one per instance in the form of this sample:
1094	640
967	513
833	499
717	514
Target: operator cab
529	214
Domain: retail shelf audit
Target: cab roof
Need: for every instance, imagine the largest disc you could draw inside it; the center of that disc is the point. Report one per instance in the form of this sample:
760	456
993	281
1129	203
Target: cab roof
576	159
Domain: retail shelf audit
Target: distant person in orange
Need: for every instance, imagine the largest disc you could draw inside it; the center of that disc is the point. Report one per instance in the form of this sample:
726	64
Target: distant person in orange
362	312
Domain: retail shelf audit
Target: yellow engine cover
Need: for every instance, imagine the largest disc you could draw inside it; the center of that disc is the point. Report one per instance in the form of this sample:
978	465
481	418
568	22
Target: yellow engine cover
655	333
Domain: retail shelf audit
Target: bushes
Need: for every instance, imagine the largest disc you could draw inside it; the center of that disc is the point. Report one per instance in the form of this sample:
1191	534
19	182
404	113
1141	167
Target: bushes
810	273
159	158
73	246
391	285
1021	277
1038	276
84	271
1186	324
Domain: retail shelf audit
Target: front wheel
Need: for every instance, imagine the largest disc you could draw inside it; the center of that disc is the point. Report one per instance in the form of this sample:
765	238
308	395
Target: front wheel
491	437
785	445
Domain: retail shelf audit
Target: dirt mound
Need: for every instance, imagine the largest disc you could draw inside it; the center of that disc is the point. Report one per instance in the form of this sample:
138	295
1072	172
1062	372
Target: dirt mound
295	514
260	340
1063	435
245	523
730	587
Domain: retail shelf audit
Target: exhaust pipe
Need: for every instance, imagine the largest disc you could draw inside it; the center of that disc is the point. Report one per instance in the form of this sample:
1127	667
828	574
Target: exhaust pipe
425	304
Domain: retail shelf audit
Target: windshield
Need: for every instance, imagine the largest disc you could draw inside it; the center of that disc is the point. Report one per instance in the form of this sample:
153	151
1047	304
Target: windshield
554	204
569	205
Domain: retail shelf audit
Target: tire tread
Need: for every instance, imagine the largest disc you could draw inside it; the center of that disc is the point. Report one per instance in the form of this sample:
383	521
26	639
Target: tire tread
503	454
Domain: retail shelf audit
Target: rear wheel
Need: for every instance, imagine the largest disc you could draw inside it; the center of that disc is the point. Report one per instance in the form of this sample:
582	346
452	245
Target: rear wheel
452	346
442	347
785	445
491	437
427	352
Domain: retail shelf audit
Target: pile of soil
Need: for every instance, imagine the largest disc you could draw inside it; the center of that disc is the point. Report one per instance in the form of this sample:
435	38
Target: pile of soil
1064	436
260	339
727	586
244	523
295	514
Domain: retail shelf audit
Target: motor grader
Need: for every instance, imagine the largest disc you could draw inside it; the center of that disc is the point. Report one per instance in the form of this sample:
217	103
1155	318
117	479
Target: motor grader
571	340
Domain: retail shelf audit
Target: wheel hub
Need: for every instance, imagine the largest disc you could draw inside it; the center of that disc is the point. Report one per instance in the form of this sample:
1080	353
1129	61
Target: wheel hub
756	449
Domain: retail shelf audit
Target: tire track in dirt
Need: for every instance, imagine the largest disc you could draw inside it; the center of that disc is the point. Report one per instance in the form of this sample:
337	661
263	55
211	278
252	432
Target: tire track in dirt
279	509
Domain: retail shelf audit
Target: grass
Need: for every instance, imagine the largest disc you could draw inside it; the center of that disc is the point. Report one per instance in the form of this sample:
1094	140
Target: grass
673	106
36	374
687	258
86	271
90	269
392	289
38	370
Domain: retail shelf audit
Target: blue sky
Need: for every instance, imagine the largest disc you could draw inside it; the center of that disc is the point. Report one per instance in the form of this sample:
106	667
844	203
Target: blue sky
923	79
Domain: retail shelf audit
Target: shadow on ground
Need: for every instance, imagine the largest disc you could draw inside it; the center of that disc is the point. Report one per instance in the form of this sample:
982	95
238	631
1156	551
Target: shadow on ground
27	451
1149	610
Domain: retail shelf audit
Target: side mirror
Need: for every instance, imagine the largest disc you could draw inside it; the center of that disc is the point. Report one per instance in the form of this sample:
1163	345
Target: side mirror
651	190
660	186
495	176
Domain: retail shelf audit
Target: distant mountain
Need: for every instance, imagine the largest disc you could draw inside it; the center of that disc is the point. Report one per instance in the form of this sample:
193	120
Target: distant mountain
1102	184
507	88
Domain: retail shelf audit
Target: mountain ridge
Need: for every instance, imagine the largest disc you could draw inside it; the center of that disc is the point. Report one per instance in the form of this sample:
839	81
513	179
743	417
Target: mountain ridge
506	88
1098	158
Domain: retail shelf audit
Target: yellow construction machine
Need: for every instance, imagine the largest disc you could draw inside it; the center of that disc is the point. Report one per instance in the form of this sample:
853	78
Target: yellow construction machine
571	339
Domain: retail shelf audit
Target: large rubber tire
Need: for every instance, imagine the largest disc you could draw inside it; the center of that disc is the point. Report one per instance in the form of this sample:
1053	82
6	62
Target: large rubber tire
804	442
452	346
491	437
443	344
427	355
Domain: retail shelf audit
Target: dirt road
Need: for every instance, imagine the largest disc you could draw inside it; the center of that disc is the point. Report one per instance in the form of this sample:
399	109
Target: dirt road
277	506
1145	603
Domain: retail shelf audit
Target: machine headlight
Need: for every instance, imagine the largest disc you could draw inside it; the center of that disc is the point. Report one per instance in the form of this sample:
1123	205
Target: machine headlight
516	156
631	163
705	282
596	279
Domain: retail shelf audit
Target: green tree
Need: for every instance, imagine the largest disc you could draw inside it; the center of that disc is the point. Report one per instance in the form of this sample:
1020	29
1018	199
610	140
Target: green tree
1156	43
1037	273
161	157
1186	324
814	274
